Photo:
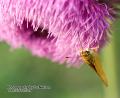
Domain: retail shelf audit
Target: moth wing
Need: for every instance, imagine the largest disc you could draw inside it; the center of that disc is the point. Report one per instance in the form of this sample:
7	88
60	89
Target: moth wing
99	70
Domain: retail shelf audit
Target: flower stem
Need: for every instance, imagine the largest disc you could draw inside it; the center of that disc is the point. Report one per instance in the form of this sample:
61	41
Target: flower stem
109	62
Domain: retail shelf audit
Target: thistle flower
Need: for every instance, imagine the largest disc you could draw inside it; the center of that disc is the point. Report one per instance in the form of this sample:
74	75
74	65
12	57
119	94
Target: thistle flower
55	29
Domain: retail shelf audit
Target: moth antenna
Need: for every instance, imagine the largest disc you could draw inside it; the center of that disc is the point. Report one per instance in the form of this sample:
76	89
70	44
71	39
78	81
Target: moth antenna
67	57
80	42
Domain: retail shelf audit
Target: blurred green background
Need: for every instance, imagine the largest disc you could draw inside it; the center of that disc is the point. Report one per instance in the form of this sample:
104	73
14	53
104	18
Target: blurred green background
19	67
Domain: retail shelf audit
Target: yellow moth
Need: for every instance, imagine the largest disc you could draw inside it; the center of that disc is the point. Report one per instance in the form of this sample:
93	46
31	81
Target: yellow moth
91	58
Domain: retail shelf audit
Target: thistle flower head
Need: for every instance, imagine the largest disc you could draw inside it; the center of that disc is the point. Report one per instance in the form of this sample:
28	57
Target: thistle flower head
55	29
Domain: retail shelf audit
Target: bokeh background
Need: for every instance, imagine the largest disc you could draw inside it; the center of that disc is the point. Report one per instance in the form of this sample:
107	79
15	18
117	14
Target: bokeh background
20	67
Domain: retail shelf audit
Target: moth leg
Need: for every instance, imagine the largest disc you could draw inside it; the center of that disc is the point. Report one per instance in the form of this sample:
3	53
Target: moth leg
95	49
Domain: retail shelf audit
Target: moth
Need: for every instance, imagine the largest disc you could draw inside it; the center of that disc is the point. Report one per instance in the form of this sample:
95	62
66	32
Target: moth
91	58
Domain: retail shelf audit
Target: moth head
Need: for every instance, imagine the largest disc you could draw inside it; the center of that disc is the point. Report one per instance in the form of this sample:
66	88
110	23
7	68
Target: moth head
85	53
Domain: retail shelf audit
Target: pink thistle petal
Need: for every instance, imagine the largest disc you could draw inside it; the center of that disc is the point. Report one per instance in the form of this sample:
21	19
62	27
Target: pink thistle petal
55	29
